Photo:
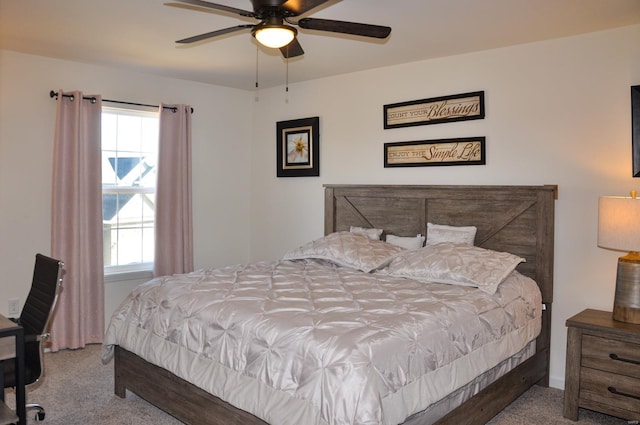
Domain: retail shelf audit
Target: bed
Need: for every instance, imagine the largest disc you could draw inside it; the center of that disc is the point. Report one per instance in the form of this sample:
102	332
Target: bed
518	220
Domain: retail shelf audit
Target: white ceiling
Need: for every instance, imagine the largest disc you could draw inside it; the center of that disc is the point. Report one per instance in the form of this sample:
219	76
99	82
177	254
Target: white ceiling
141	34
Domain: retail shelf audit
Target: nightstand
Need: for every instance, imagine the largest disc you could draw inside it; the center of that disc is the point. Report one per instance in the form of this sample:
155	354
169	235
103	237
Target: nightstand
603	366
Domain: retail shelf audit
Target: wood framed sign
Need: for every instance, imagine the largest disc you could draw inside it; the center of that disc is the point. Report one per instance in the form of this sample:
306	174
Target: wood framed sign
435	110
298	149
460	151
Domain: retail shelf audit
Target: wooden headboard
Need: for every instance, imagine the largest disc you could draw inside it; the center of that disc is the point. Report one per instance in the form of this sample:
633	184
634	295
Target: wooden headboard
515	219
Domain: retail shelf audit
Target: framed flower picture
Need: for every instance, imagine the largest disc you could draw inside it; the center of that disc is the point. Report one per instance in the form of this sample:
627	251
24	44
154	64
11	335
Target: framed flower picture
298	148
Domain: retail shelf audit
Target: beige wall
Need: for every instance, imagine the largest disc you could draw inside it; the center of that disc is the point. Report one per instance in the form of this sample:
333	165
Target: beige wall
557	112
221	153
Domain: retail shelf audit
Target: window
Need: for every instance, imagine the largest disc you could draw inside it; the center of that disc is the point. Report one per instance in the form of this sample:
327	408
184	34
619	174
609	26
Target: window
129	158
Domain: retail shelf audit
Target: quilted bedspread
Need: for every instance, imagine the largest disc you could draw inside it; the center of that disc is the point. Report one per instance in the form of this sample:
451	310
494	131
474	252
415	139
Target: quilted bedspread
309	342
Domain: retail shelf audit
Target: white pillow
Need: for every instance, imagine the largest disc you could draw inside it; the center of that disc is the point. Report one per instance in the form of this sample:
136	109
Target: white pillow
371	233
349	250
410	242
438	233
455	264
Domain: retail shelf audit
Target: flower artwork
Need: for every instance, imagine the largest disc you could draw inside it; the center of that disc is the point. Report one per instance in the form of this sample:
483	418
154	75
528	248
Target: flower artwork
298	150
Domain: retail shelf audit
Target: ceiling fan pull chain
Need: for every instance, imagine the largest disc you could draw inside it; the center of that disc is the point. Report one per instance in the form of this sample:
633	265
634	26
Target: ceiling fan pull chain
287	72
257	51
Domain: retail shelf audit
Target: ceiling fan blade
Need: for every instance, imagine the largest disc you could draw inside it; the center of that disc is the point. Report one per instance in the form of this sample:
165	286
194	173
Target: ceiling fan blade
365	30
299	7
220	7
213	34
292	49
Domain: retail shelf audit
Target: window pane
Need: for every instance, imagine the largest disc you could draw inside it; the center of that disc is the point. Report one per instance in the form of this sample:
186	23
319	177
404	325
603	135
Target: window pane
109	131
129	243
129	133
149	137
148	244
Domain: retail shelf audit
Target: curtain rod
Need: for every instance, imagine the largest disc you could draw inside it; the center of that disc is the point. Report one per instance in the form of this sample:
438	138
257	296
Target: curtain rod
54	94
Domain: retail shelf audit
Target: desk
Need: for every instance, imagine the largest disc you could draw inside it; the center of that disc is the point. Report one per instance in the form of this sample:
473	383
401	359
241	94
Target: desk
12	346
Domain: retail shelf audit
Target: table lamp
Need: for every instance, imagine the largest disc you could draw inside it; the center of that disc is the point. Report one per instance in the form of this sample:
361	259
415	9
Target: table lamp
619	229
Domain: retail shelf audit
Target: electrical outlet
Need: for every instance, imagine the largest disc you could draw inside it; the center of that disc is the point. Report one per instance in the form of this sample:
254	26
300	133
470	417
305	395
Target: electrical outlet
14	307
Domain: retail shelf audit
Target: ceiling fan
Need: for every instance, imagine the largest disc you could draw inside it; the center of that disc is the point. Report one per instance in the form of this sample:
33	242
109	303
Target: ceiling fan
275	28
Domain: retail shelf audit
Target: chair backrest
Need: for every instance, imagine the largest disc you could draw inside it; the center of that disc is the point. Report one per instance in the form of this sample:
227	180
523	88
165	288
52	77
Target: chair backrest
40	303
35	318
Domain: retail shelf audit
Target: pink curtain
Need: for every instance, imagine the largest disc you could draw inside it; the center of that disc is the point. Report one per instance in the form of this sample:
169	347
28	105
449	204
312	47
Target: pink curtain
76	221
174	229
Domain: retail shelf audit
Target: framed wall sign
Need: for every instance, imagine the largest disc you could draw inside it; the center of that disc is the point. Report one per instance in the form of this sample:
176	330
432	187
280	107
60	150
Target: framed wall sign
460	151
298	149
435	110
635	129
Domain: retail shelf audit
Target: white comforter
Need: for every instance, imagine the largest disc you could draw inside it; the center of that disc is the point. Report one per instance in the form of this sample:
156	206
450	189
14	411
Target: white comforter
309	342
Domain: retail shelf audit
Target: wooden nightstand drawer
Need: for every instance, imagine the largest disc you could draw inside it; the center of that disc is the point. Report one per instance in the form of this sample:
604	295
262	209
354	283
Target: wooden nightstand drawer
611	393
611	355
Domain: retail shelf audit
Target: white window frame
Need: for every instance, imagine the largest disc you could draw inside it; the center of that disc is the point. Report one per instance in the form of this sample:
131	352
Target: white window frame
135	271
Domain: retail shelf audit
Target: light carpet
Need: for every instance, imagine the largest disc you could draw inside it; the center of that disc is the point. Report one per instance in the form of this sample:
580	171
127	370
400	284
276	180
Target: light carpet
78	389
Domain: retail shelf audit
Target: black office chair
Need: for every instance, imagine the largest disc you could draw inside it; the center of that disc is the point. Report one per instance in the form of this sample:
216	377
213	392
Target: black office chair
35	318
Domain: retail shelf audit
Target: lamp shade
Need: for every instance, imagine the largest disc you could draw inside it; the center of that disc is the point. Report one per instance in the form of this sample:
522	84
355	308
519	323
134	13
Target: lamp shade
619	223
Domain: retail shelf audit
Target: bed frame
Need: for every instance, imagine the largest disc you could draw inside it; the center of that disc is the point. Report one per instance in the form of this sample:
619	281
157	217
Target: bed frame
516	219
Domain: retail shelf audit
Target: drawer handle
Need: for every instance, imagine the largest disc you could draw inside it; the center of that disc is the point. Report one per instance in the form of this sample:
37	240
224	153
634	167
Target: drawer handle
614	356
613	390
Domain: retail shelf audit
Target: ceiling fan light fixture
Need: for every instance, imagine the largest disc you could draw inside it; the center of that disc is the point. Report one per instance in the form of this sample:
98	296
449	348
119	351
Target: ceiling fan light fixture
274	35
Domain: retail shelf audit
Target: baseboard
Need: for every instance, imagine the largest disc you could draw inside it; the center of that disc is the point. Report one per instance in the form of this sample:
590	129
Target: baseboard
555	382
